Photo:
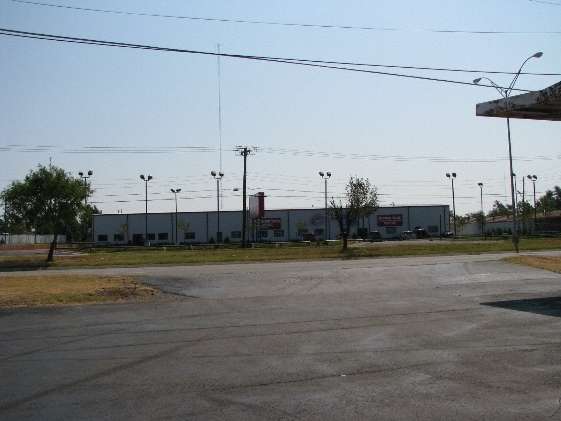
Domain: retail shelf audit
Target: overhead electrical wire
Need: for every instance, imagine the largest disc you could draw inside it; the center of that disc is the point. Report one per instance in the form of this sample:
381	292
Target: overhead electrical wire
288	24
266	150
546	2
301	62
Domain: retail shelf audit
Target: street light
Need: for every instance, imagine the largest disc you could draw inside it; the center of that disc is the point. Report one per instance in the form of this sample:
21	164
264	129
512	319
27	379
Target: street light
218	178
325	177
85	177
146	180
451	177
175	194
505	93
534	178
482	214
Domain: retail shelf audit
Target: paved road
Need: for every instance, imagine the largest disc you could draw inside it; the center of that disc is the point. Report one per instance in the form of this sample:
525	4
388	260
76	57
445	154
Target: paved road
433	338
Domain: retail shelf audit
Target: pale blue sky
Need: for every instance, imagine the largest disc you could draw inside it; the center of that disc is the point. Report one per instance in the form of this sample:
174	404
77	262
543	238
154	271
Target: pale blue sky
402	134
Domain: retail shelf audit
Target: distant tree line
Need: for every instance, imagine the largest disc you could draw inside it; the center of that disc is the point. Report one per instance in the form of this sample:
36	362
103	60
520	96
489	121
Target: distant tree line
525	210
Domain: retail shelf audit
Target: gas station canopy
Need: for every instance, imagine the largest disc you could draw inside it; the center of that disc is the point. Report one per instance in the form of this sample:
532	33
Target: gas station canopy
537	105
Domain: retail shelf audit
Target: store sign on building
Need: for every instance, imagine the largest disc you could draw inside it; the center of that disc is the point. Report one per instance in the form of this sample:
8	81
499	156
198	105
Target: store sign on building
395	220
270	223
257	205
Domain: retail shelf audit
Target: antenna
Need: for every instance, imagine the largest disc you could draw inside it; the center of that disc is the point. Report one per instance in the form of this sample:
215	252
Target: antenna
220	120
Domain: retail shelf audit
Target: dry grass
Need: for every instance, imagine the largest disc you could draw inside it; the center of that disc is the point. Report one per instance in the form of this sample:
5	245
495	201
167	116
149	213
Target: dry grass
551	263
61	289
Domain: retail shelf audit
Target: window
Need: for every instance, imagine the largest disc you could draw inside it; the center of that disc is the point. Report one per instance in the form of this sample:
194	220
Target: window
151	237
102	237
302	232
162	236
189	235
318	231
236	234
278	233
390	230
118	237
264	233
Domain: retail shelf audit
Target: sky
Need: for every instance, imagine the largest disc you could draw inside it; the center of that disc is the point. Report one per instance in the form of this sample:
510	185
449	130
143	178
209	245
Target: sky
178	115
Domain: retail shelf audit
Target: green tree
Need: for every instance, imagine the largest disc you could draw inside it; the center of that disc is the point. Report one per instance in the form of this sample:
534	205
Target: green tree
361	202
184	225
500	210
77	229
550	201
525	212
301	226
546	205
124	229
480	218
48	199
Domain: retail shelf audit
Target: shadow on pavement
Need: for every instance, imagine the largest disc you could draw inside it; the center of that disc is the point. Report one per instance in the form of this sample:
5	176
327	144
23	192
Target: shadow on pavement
549	306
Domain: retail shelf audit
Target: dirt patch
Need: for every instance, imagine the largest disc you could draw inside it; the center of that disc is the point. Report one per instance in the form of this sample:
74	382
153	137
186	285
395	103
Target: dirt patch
551	263
61	289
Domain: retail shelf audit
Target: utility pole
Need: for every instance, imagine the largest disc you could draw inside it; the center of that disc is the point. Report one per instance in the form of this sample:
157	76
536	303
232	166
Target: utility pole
244	151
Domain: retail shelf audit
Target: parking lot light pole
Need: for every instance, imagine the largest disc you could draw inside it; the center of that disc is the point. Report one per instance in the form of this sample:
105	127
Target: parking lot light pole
85	178
505	93
175	191
451	177
218	178
325	176
482	213
146	180
534	178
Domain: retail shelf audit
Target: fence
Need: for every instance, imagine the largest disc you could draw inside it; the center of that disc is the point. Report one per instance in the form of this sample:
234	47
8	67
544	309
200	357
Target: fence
30	239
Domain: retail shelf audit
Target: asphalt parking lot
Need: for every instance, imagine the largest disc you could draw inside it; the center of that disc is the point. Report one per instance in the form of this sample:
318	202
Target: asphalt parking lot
433	338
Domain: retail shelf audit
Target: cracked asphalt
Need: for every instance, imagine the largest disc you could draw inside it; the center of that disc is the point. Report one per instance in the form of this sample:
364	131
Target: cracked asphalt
431	338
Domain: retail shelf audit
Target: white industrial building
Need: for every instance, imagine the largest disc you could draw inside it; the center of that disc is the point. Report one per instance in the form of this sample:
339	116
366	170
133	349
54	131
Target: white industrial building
275	226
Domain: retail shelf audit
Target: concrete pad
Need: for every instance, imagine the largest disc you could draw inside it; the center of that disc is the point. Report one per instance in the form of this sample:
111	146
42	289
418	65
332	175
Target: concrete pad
439	338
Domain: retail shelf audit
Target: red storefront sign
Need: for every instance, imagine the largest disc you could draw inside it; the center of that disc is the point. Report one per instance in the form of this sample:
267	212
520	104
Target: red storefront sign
270	223
257	205
395	220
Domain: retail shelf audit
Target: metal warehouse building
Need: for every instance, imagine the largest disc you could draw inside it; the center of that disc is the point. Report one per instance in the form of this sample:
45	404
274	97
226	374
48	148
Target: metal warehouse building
276	225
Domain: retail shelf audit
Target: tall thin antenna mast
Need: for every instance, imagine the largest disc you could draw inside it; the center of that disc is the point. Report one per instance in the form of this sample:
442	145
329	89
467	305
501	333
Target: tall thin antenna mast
219	109
220	119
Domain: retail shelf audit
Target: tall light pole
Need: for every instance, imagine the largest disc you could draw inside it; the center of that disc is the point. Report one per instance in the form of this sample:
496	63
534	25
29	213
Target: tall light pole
146	180
85	178
482	213
175	191
218	178
325	176
534	178
451	177
505	93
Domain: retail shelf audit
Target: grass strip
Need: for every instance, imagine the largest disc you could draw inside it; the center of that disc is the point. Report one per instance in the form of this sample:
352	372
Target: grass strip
62	289
550	263
153	256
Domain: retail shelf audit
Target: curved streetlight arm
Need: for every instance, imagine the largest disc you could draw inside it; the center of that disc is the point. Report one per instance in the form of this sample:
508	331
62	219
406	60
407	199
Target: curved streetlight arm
502	91
537	55
505	92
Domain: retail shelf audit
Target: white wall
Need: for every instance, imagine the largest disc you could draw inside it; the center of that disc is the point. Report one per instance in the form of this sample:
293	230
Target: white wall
31	239
204	224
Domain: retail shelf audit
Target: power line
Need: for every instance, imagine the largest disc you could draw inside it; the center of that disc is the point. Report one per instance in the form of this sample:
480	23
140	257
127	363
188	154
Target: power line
266	150
301	62
289	24
546	2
